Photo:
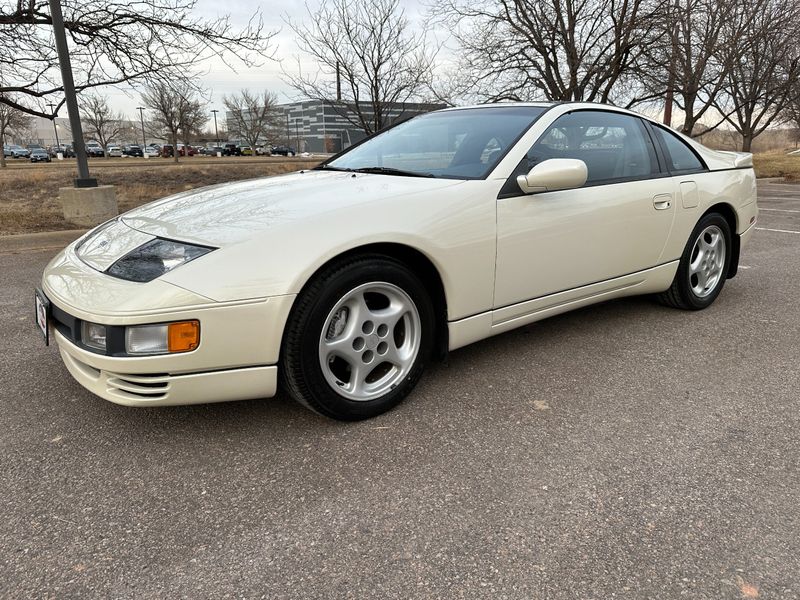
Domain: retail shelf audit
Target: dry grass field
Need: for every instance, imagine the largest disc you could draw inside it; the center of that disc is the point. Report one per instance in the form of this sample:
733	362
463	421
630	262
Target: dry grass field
29	192
777	164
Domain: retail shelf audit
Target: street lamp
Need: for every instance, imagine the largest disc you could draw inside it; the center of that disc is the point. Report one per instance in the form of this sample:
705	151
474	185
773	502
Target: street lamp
216	131
141	110
55	127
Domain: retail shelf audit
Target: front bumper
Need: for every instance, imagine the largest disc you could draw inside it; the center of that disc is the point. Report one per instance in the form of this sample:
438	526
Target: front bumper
163	389
235	360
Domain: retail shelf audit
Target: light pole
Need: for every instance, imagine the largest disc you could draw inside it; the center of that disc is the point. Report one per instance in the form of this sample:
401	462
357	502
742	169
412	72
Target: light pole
297	136
216	131
55	127
141	110
83	180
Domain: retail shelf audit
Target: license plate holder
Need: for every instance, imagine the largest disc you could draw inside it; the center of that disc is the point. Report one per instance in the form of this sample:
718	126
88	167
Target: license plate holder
42	308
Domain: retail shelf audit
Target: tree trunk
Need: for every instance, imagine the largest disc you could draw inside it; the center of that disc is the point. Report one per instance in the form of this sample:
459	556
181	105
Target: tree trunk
175	146
747	142
3	155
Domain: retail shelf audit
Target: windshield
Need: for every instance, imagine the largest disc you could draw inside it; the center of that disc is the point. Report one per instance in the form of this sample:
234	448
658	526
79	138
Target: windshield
456	144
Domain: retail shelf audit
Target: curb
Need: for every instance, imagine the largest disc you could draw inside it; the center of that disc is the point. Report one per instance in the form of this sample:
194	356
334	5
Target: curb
31	242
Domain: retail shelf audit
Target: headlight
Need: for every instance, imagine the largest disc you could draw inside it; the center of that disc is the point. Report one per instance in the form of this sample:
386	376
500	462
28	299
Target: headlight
153	259
93	335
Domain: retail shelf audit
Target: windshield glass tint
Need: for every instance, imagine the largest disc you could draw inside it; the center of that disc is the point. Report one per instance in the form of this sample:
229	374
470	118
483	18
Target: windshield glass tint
459	144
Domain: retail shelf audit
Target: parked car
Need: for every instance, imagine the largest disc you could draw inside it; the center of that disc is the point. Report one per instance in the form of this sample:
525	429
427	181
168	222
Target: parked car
347	286
40	155
283	150
133	150
167	151
65	150
245	151
32	147
153	150
212	150
185	150
15	151
232	150
94	150
263	151
115	152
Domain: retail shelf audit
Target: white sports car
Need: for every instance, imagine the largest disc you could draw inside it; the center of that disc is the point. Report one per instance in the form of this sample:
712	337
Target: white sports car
343	281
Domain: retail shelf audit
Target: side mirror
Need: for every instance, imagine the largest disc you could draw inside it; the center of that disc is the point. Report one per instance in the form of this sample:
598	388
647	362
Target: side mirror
554	174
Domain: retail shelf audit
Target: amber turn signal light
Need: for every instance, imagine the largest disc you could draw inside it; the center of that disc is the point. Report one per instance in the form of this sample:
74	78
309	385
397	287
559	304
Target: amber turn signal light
183	336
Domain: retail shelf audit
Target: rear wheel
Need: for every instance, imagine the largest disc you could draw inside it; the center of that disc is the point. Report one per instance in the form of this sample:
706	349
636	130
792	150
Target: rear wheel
358	338
703	266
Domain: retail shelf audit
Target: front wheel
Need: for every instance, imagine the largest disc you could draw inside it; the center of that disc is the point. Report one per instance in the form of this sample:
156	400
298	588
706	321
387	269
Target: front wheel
703	267
358	338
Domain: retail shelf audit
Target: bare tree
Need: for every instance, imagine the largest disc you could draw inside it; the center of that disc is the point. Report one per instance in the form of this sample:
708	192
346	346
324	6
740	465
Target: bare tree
550	49
99	120
112	42
170	105
193	119
11	120
370	48
694	55
253	116
760	83
793	112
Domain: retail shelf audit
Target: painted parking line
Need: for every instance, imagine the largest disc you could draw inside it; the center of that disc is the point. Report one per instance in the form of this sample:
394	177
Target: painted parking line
777	230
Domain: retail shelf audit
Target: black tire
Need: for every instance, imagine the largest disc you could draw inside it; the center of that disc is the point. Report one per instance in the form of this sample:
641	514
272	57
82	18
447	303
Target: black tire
681	294
300	369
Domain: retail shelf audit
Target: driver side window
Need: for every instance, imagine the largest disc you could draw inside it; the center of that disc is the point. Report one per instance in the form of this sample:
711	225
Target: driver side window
615	147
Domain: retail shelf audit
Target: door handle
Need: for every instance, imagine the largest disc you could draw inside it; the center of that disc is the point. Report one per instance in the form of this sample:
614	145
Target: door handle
662	201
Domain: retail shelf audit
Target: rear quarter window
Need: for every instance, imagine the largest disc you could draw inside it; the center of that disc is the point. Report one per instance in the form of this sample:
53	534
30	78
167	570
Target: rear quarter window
680	157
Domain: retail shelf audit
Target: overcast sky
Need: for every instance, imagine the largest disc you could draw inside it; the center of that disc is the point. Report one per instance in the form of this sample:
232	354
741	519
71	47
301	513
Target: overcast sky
219	79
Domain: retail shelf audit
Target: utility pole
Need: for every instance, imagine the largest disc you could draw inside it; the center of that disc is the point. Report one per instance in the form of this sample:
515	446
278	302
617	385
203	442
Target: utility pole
669	99
288	135
216	131
55	127
338	83
297	136
141	110
83	181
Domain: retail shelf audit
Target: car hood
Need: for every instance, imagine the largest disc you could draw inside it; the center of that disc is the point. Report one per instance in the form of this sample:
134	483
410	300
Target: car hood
230	213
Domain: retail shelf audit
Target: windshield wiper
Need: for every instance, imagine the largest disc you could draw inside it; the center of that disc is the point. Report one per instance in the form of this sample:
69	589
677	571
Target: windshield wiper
330	168
392	171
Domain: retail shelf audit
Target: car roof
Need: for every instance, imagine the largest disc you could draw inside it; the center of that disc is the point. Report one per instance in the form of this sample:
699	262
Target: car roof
551	104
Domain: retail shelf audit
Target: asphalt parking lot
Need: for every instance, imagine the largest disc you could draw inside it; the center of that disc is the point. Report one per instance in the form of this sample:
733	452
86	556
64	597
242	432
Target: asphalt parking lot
625	450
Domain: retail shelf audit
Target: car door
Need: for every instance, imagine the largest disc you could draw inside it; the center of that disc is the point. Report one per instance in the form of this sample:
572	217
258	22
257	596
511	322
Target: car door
616	224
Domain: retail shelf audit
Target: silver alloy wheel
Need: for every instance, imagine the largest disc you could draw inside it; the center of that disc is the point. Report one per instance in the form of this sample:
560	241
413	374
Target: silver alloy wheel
370	341
707	261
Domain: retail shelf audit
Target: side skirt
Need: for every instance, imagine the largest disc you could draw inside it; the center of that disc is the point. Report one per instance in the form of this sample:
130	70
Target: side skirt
477	327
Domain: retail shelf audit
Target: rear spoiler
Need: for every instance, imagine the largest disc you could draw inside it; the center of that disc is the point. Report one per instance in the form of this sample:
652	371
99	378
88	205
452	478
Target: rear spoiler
741	160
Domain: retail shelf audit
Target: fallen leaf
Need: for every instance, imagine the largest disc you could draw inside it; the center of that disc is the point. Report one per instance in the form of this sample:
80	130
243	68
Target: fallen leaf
541	405
748	590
